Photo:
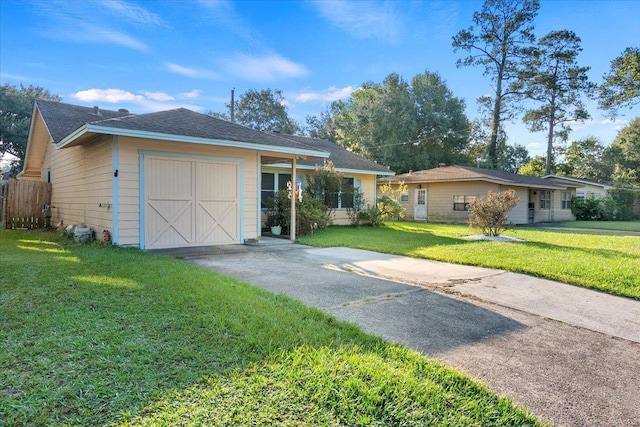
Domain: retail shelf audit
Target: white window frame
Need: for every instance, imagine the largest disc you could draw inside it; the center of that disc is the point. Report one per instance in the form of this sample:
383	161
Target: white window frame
464	200
567	200
545	199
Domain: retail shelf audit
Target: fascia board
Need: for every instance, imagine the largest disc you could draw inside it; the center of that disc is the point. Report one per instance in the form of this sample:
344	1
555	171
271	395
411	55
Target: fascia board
342	170
189	139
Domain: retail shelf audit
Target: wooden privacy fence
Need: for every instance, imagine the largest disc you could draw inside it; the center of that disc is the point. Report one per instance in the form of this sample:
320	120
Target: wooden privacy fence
23	204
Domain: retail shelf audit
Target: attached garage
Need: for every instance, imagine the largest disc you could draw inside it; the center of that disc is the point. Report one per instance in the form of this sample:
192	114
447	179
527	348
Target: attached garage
167	179
189	201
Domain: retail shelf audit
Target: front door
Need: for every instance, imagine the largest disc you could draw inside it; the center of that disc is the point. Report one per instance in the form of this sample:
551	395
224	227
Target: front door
420	205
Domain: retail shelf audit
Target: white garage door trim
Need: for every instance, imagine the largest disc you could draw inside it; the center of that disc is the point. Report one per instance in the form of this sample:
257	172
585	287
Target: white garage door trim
195	159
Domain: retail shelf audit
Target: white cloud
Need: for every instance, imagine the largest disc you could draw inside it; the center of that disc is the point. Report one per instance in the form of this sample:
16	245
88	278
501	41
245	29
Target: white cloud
191	72
107	95
330	95
158	96
222	13
97	34
264	68
132	13
193	94
144	102
363	19
80	22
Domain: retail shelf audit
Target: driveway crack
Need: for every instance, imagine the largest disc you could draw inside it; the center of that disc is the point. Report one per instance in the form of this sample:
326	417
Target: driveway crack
374	299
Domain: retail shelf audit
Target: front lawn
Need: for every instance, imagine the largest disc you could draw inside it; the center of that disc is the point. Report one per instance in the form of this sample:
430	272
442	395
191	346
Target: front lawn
604	225
96	335
610	263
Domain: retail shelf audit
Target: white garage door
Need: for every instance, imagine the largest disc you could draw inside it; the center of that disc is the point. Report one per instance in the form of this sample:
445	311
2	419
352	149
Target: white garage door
190	202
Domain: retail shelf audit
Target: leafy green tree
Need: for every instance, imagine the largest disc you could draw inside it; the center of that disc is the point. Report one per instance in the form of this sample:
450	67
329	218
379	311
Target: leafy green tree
585	158
553	79
405	126
509	157
497	41
261	110
621	86
625	150
16	107
534	167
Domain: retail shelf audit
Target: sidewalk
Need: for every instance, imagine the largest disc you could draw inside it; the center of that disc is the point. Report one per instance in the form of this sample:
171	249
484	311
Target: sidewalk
585	308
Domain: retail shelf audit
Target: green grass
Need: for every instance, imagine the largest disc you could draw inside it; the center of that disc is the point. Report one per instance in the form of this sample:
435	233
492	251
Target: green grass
604	225
609	263
96	335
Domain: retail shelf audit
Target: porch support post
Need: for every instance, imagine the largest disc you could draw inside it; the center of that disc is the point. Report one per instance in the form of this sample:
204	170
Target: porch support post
292	222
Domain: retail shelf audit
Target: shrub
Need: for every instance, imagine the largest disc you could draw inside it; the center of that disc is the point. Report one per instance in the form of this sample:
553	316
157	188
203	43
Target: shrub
617	206
355	213
491	214
311	214
587	209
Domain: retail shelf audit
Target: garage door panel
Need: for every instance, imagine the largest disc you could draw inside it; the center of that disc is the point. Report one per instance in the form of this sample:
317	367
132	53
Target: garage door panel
170	178
224	184
217	221
190	202
164	216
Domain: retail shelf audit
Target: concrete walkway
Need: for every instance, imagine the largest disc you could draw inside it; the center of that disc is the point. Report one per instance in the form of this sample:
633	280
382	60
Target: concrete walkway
560	369
585	308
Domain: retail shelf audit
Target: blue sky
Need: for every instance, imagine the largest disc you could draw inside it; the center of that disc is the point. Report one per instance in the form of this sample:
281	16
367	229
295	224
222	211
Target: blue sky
156	55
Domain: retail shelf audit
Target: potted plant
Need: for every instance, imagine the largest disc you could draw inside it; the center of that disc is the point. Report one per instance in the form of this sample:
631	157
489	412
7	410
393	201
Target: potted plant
277	214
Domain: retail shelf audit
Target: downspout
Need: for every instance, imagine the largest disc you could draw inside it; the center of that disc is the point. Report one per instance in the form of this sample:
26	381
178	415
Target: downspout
292	221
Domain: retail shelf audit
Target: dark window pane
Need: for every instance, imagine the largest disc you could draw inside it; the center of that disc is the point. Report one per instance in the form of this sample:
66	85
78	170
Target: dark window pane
267	181
283	178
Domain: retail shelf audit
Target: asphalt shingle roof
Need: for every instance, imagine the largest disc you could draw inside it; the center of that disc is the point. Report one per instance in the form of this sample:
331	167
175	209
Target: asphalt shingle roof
341	157
185	122
62	119
468	173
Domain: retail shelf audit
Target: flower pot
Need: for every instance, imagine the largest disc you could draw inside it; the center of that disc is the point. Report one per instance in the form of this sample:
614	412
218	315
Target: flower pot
276	230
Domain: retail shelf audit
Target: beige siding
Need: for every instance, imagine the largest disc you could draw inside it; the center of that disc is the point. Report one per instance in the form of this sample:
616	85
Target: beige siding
518	215
590	191
81	183
129	181
440	200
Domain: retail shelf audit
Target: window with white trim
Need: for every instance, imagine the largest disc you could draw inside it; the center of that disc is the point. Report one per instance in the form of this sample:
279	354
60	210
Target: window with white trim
545	199
404	197
343	199
272	182
461	203
566	200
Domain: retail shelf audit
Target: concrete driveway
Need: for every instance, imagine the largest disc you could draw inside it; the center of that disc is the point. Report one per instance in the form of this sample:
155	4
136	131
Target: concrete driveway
570	355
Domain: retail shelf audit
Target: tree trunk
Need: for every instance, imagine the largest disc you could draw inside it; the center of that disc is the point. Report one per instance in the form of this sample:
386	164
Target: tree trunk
495	123
550	137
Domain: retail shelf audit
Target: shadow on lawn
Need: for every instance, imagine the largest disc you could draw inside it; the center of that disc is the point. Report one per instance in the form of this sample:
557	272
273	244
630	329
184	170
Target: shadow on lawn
116	330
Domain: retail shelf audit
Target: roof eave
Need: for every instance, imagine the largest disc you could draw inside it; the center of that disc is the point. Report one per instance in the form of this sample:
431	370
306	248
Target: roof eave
72	139
408	180
338	169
